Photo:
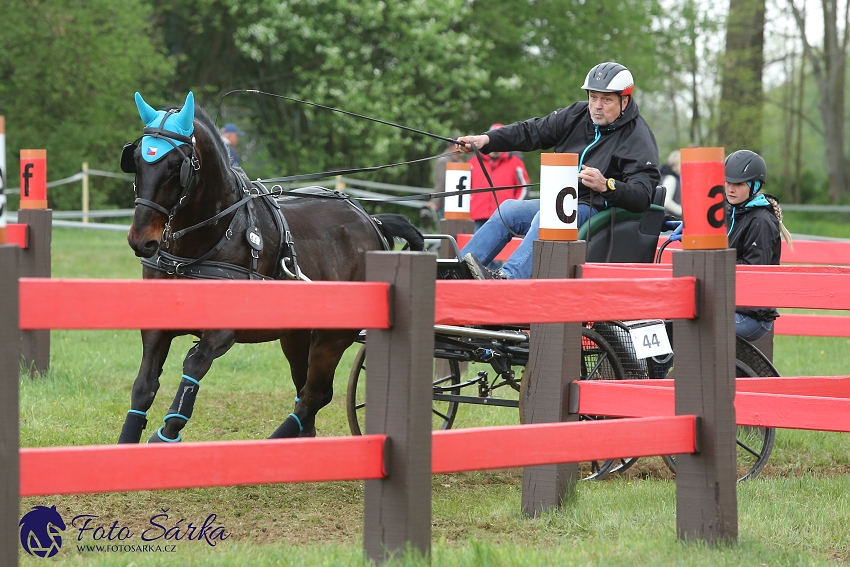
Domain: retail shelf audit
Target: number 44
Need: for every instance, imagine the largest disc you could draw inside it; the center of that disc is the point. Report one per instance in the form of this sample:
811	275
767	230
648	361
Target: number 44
651	342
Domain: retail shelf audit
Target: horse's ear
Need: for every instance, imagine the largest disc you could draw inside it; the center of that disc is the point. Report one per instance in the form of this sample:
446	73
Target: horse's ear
187	114
146	112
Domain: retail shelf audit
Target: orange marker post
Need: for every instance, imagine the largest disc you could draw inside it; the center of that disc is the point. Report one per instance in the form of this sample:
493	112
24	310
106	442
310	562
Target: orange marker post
558	197
33	179
458	178
2	180
703	199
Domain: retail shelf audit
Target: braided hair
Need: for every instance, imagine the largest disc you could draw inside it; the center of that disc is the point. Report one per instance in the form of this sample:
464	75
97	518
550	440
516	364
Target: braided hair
777	212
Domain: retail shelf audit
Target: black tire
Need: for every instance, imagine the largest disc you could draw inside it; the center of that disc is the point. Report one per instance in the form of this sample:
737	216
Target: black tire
616	333
599	361
754	444
355	396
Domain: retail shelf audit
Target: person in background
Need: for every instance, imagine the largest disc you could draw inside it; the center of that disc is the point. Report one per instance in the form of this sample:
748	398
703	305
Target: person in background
618	165
671	179
754	223
505	169
230	134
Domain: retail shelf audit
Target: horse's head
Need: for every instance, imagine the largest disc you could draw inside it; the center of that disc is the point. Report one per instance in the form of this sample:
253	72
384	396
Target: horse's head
165	163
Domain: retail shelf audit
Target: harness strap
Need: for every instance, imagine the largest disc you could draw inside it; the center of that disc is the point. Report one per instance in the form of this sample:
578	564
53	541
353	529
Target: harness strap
152	205
205	270
225	212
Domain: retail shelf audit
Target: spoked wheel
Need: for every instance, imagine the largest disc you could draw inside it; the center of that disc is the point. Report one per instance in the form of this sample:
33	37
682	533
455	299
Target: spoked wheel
754	444
599	361
355	399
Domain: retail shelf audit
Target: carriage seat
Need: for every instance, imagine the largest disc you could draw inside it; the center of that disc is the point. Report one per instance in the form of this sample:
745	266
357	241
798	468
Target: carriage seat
617	235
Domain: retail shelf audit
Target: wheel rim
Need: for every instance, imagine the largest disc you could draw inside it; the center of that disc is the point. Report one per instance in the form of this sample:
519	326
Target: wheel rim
599	362
753	444
443	413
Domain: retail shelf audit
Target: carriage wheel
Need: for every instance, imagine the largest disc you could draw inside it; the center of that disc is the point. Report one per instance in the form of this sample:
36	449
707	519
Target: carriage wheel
598	362
754	444
355	399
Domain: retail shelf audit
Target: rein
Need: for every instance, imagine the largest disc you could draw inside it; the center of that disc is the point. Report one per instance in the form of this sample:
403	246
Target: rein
386	123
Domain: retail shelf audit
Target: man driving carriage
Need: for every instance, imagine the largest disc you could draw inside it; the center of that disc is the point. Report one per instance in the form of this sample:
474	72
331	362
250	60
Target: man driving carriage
618	165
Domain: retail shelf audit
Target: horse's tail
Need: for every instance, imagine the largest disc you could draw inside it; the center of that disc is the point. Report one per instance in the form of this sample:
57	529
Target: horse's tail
393	225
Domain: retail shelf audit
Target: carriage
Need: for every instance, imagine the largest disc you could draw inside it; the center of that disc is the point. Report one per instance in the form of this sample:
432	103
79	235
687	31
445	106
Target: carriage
198	217
484	365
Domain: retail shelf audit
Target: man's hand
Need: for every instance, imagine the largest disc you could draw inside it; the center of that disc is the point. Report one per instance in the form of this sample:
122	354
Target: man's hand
593	179
479	141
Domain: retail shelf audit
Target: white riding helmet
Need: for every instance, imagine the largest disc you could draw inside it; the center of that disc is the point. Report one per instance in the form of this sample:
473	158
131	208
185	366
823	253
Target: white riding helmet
610	77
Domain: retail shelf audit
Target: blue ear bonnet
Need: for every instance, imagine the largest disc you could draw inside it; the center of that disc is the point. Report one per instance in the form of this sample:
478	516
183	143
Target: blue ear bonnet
152	148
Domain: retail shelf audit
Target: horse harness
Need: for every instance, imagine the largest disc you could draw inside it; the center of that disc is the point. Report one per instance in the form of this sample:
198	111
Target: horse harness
203	268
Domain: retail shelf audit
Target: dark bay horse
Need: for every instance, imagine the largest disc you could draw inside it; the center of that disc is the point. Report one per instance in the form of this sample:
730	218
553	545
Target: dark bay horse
198	217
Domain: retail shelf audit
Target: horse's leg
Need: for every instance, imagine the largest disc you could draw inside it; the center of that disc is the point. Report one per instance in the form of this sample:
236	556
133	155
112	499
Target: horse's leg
195	366
326	349
296	348
155	345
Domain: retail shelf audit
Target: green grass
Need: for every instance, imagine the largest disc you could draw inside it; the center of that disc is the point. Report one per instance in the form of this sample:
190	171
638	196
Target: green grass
834	225
795	513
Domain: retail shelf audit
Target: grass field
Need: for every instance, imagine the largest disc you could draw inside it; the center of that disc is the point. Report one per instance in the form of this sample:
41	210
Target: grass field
795	513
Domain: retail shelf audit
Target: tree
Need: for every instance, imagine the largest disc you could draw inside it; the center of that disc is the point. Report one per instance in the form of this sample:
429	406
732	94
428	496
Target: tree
741	99
68	71
402	62
542	50
828	68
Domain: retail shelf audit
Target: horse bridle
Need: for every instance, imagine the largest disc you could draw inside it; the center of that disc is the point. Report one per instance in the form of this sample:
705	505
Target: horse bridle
190	164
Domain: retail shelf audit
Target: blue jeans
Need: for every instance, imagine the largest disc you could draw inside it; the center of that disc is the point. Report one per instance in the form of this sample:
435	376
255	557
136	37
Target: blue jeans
750	329
524	218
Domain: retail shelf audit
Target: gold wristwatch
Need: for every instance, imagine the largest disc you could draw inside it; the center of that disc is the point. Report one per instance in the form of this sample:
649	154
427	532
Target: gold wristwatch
612	184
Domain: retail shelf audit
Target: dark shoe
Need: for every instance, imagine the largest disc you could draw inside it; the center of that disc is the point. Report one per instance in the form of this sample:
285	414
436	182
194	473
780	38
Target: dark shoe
480	271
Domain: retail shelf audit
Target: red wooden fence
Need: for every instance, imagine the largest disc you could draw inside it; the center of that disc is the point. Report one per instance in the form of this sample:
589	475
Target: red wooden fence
636	399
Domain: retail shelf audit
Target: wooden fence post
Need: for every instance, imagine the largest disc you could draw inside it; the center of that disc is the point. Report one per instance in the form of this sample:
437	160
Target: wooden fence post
9	375
35	263
554	361
454	227
706	499
397	510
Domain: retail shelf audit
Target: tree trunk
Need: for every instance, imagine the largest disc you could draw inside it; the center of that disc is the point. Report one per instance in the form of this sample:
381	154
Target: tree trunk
741	99
828	68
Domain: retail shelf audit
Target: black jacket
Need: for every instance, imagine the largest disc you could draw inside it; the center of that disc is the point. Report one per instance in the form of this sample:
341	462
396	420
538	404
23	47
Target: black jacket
625	150
754	234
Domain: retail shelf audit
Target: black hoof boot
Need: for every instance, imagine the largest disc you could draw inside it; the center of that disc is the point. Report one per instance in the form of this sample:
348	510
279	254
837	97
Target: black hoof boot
291	427
158	437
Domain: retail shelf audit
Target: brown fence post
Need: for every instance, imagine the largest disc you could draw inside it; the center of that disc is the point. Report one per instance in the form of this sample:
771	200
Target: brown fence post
454	227
397	510
706	499
9	376
35	263
554	361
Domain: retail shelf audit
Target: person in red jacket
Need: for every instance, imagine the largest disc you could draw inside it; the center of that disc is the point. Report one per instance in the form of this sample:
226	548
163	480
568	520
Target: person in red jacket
505	169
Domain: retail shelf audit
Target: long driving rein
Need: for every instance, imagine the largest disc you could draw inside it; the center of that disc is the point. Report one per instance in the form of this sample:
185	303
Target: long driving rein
202	267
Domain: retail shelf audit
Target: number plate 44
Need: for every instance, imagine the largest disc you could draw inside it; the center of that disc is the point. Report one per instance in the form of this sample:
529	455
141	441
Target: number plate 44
650	339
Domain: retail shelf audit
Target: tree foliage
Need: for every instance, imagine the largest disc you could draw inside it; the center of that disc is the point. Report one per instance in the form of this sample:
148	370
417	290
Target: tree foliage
68	70
440	66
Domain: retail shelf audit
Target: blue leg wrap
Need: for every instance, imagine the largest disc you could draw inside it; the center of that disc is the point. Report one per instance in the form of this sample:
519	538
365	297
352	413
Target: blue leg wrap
134	423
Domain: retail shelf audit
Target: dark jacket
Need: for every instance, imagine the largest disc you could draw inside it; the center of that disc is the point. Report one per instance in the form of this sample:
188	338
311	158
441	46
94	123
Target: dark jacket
754	234
625	150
